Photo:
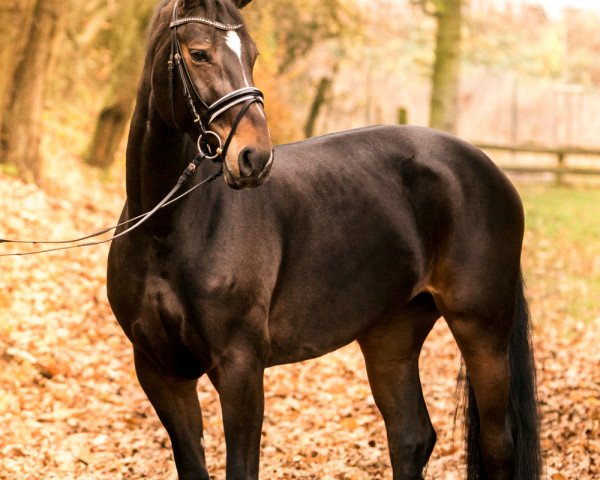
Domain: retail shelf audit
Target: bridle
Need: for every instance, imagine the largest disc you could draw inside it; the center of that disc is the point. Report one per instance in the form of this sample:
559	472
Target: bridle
245	96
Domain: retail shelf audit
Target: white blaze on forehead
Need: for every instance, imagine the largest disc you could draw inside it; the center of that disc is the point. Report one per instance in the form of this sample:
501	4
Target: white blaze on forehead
233	41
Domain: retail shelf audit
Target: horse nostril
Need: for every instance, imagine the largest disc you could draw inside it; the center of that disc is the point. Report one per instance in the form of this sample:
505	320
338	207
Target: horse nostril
248	160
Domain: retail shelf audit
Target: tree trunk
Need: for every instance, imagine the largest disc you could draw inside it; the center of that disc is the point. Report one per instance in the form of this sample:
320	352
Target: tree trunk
109	132
319	100
22	127
128	47
446	69
15	20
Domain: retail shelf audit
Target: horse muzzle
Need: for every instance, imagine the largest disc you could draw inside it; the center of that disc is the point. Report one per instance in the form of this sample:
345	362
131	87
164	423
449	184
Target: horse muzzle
252	169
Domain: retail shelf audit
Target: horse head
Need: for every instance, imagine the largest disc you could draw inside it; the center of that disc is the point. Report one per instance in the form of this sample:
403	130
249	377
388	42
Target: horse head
214	100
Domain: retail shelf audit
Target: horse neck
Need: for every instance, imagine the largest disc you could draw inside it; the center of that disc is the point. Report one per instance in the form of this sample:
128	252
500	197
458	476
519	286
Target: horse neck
156	157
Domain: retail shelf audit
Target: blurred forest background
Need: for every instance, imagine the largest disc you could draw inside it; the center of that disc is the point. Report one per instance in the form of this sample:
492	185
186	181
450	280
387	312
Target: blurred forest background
506	71
503	73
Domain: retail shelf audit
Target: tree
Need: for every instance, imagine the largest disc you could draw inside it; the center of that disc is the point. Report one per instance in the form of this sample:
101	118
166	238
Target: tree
445	78
301	45
126	41
22	126
322	92
300	27
15	21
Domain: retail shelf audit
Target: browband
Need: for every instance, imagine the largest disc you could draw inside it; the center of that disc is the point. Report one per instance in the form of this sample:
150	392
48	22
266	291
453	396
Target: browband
205	21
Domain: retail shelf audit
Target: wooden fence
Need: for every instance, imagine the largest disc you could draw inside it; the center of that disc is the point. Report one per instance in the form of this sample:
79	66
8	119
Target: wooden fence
560	170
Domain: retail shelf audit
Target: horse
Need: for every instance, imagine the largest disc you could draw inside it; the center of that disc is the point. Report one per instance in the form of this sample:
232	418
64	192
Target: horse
369	235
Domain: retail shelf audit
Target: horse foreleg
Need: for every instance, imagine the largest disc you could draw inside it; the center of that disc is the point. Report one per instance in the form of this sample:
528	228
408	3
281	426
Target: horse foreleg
391	352
239	380
176	403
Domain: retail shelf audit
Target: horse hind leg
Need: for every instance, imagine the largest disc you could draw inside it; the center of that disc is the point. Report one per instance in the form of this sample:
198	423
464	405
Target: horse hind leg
480	317
491	328
485	352
391	350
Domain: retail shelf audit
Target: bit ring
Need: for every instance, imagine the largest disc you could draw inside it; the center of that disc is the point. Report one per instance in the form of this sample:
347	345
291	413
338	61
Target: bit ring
219	149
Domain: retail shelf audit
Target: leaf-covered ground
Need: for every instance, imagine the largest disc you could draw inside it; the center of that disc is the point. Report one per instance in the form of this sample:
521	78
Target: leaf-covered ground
71	408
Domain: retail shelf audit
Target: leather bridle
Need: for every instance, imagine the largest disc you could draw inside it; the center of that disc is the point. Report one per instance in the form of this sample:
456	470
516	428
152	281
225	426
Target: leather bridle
244	96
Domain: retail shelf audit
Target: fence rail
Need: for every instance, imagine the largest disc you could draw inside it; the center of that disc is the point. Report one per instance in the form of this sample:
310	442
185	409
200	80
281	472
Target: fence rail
560	170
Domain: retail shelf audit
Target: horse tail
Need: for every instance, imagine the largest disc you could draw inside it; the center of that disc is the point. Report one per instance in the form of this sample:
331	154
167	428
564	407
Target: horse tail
522	408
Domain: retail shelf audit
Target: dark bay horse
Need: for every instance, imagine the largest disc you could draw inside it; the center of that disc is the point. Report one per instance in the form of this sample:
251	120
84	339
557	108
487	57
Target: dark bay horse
367	235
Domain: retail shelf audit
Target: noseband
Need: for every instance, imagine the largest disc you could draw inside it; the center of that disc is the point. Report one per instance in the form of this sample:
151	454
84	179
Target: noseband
244	96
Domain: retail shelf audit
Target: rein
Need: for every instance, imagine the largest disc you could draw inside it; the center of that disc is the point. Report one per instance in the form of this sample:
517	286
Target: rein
245	96
140	219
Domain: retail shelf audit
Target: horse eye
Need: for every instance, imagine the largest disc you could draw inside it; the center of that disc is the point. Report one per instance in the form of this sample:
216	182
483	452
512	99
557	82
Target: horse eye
199	56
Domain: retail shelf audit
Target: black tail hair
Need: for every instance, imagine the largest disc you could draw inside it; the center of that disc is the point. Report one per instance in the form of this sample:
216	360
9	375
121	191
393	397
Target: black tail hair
523	406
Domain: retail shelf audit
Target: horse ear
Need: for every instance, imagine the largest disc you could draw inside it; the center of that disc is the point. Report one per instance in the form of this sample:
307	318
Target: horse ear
242	3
